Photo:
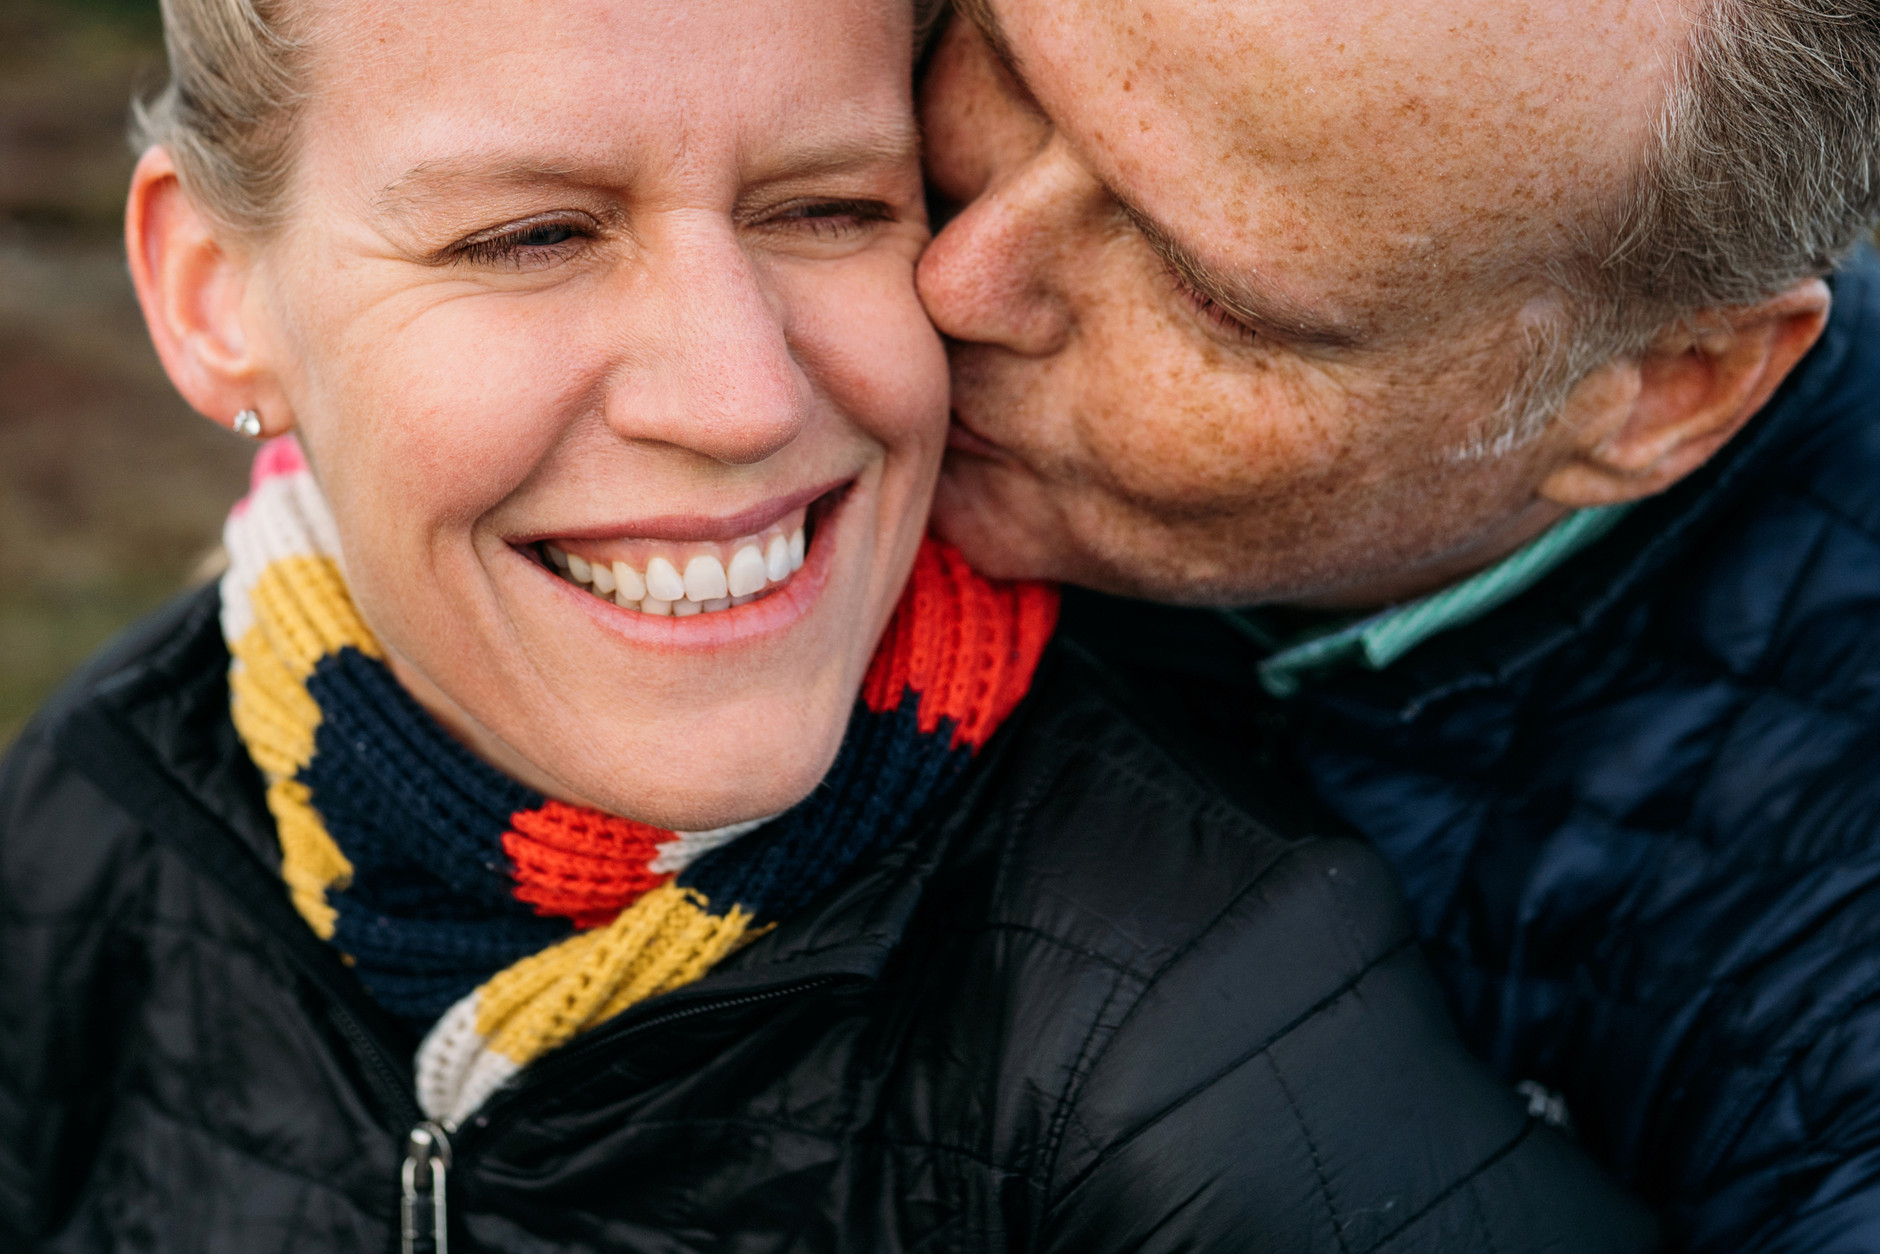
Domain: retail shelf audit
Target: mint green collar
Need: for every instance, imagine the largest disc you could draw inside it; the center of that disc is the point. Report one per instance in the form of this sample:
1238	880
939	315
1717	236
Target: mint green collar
1376	641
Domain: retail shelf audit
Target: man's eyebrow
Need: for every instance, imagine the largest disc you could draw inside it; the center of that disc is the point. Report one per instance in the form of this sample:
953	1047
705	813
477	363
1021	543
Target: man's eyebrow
1262	311
982	15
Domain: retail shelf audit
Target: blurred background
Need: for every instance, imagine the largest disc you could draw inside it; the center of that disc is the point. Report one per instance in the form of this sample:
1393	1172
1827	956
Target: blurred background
111	490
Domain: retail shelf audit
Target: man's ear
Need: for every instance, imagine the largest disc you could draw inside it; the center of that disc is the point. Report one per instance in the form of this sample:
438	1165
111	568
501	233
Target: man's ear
1644	425
192	287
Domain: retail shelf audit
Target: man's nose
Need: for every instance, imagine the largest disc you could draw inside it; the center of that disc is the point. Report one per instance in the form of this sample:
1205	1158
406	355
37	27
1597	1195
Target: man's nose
992	275
716	375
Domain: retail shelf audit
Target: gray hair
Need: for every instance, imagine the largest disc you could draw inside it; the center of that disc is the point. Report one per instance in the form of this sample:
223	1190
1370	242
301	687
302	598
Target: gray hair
1763	171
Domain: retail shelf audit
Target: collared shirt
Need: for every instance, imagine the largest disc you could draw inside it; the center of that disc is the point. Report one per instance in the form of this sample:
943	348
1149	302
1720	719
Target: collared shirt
1374	641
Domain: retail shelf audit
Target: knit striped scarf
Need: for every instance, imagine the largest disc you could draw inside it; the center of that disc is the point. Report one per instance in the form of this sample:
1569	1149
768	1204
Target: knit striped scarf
502	923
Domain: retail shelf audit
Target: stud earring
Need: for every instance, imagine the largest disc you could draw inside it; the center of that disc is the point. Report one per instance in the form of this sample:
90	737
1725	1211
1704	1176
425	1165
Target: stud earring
248	423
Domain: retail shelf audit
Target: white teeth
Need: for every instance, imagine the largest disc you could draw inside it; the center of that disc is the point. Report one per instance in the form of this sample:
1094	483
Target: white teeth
662	580
705	579
746	573
707	584
777	559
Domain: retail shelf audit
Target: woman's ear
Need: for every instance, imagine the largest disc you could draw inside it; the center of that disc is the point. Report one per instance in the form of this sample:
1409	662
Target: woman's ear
192	287
1692	391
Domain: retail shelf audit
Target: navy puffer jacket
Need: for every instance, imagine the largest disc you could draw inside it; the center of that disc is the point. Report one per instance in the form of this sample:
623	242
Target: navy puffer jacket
1637	811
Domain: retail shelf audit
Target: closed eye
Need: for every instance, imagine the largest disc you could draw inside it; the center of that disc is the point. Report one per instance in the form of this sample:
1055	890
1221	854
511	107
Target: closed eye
829	219
1209	310
529	245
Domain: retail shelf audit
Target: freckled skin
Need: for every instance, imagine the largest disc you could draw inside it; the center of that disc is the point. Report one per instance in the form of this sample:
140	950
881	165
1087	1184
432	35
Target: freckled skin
1407	170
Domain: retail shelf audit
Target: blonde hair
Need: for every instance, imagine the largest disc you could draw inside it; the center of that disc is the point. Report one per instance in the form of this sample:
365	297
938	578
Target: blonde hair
237	79
227	114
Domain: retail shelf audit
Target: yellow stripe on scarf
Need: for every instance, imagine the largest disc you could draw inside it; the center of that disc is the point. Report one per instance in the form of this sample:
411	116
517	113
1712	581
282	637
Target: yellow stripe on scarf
302	614
667	938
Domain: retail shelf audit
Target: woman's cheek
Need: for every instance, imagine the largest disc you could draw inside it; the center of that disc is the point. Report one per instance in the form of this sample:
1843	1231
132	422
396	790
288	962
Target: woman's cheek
463	411
868	344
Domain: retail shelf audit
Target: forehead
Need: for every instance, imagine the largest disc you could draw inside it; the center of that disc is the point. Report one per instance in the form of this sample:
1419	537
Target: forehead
621	85
1369	139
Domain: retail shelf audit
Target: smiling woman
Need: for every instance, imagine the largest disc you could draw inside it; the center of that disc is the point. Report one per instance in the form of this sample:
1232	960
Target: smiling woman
481	335
590	802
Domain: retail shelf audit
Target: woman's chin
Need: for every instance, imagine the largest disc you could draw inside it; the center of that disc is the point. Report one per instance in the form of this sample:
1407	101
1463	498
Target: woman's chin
711	780
687	739
685	722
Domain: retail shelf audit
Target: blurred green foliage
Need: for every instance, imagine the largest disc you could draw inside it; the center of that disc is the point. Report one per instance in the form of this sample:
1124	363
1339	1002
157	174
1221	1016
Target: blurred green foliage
140	18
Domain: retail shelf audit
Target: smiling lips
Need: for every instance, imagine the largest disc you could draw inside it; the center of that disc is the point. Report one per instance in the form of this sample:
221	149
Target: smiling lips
662	577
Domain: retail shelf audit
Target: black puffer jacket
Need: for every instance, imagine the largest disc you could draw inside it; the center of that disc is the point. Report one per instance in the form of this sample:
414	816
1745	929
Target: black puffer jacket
1637	810
1091	1006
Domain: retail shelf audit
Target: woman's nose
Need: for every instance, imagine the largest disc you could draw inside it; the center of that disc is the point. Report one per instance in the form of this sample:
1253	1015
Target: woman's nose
719	377
989	275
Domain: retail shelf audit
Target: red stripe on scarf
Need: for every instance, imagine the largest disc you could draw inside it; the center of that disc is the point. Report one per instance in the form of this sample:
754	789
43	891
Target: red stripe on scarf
967	644
582	864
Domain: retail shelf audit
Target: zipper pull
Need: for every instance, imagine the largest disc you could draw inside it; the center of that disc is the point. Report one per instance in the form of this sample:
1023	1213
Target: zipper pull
427	1164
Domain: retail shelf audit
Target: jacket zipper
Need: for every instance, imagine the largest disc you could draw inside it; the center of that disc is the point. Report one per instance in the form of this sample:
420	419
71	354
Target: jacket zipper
424	1176
424	1202
424	1173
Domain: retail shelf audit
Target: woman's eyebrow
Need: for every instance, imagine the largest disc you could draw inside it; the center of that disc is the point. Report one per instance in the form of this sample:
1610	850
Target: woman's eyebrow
836	158
447	176
896	145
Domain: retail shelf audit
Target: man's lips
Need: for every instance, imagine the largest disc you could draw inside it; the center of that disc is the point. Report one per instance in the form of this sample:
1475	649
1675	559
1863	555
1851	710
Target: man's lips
964	438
